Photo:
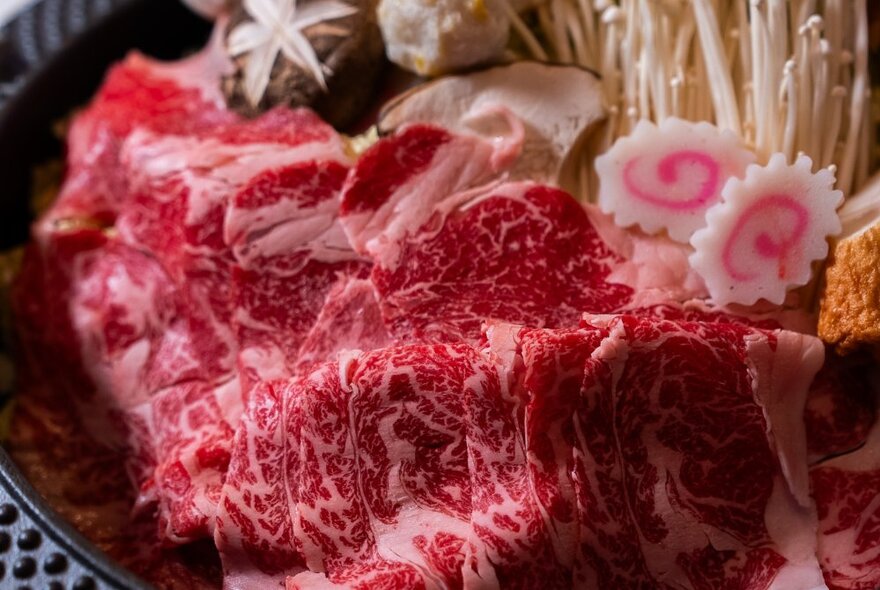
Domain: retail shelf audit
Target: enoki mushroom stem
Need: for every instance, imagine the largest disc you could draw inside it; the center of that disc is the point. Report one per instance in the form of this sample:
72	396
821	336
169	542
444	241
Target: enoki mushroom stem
788	76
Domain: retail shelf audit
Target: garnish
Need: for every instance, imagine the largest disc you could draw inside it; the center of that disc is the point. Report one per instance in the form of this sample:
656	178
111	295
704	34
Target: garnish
764	236
277	27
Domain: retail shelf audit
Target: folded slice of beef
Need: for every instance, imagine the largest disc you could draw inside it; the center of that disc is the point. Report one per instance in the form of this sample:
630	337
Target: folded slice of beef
132	366
290	251
104	325
841	408
188	429
383	467
453	245
187	193
244	220
555	363
845	489
400	181
522	253
254	531
637	471
695	456
71	437
179	98
628	453
350	320
522	507
224	242
368	459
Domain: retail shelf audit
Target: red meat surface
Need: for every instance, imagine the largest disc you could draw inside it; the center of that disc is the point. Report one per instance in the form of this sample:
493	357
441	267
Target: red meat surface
453	246
158	323
594	457
139	93
247	355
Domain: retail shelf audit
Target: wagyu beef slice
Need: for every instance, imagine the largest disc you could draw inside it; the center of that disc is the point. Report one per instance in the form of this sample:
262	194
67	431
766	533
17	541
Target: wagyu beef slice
181	98
188	428
453	245
136	371
693	471
847	494
358	471
841	407
522	253
145	320
554	365
254	529
290	251
244	219
350	320
622	456
183	191
520	450
112	320
399	182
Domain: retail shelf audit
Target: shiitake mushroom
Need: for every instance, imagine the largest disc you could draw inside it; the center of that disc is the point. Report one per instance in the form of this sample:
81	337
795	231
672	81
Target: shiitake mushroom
352	50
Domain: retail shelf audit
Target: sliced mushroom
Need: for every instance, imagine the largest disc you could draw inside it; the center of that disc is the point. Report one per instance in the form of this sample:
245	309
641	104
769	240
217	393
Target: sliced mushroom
559	106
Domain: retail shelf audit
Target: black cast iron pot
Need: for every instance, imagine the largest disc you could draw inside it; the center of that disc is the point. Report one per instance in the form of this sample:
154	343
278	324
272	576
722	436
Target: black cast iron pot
52	59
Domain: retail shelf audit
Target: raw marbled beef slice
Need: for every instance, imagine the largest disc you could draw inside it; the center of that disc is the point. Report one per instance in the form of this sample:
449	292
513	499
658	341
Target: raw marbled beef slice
693	457
205	206
181	197
403	469
453	248
350	320
375	479
522	253
847	494
840	408
399	182
552	377
254	530
289	250
511	543
122	331
189	426
180	98
150	311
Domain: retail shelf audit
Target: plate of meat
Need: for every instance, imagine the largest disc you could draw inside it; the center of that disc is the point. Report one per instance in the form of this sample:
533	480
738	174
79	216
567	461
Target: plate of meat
418	294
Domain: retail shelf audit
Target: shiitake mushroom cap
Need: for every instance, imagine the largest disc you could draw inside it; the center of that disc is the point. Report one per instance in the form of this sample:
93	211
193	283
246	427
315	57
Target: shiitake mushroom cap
352	50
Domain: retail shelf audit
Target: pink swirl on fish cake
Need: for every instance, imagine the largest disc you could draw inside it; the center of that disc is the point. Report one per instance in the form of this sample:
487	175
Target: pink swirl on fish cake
668	173
766	246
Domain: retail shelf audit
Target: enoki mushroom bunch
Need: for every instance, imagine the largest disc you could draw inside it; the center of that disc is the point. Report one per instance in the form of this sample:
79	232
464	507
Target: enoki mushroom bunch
788	76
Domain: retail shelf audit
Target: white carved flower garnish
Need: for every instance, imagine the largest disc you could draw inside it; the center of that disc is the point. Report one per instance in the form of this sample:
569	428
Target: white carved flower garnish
278	26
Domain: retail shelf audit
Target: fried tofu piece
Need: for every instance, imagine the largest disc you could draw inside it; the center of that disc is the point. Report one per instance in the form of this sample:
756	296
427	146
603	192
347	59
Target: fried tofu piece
849	312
